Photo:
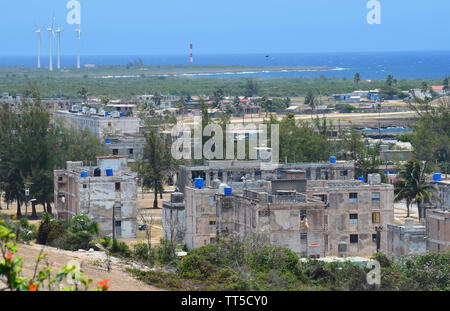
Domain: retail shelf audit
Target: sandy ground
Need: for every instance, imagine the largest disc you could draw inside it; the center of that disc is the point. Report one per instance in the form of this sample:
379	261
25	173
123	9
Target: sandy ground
92	266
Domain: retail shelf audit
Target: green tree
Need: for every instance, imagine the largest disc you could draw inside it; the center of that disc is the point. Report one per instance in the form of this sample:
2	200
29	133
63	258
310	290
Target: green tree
403	188
357	78
83	93
251	87
157	163
310	100
416	187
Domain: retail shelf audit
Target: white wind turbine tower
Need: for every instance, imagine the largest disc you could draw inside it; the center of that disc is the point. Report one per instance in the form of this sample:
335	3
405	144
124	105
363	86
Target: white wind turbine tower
38	32
58	43
51	33
78	31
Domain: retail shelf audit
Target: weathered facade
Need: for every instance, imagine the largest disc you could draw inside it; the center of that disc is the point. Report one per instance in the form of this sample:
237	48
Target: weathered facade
438	229
174	218
313	218
111	201
131	146
406	239
443	194
354	211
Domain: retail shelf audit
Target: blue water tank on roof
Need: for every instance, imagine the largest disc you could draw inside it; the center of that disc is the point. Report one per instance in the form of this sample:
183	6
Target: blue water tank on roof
84	174
108	141
333	160
109	172
228	191
198	183
361	178
437	177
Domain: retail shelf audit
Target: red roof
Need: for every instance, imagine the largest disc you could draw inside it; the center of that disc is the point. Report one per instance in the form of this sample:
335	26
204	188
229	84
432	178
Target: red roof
437	87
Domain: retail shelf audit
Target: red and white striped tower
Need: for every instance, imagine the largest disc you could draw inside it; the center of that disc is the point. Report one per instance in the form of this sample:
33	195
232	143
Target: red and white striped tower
192	57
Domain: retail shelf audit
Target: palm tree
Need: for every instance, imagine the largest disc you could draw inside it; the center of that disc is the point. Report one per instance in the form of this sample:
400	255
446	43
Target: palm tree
402	189
416	188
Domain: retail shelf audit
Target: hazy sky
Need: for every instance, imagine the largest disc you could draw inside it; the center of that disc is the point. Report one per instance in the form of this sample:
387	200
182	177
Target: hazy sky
142	27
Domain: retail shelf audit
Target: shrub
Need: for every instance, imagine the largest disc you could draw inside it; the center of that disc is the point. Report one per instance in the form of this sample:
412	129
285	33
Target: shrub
140	251
120	248
70	235
164	253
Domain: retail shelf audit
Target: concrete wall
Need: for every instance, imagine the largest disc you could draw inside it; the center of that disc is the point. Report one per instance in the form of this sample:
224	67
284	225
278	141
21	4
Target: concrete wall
438	230
443	194
405	240
199	209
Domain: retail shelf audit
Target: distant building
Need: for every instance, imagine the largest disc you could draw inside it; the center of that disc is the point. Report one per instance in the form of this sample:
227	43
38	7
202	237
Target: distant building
99	125
106	193
439	89
289	207
131	146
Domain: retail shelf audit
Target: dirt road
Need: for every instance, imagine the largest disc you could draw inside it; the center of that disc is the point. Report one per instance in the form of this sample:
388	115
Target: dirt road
92	266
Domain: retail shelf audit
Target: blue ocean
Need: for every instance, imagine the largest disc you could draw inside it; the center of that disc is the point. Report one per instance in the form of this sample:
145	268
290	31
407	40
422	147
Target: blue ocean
369	65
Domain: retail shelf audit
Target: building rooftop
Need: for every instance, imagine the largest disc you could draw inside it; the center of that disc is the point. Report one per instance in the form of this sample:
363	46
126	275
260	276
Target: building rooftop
113	157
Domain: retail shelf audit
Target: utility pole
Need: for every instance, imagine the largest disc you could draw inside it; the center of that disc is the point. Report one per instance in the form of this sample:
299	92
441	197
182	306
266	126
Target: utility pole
27	194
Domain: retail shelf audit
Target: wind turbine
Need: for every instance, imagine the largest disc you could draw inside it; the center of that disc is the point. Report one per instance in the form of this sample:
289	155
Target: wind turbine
78	31
38	32
58	43
51	33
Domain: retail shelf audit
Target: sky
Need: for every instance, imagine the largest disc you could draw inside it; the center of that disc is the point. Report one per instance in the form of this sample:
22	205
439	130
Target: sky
166	27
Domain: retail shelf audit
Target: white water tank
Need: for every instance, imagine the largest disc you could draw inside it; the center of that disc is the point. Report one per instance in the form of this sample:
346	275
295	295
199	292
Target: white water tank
222	187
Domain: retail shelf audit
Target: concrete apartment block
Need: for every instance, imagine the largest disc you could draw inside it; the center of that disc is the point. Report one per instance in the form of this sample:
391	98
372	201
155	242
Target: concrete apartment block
111	201
97	124
201	217
354	210
438	229
288	220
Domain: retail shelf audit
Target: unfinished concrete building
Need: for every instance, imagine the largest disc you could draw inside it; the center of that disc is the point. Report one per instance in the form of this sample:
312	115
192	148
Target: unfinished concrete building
129	145
174	218
354	212
277	215
229	171
106	193
313	218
